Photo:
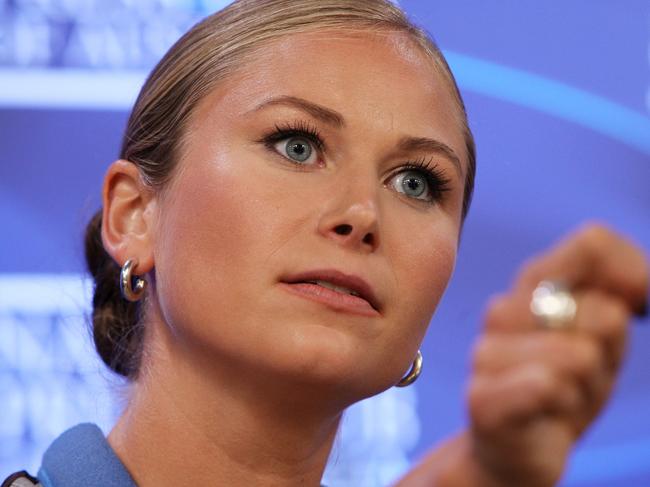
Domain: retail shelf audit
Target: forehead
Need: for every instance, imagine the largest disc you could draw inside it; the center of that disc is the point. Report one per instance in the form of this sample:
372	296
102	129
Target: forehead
378	80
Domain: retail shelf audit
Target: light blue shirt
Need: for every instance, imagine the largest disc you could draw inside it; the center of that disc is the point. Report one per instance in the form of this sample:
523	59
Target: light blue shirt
81	457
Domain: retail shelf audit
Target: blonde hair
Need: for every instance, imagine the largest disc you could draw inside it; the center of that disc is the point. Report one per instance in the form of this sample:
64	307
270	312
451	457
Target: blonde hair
205	56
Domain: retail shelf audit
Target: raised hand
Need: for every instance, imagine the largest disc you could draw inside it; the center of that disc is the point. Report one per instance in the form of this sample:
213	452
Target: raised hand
534	390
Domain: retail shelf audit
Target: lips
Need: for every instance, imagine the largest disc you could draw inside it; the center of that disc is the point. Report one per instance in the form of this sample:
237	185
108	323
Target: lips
356	284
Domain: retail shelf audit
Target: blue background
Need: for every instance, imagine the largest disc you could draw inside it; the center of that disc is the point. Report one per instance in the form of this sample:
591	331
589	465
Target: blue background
558	99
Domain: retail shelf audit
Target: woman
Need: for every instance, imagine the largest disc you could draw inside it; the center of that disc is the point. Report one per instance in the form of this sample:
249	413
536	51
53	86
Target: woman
283	220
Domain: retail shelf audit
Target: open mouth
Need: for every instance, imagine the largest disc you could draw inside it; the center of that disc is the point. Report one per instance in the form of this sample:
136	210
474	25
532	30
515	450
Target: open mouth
337	297
333	288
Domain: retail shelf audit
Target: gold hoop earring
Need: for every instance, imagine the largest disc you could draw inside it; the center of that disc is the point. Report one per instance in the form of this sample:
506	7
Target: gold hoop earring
413	373
131	287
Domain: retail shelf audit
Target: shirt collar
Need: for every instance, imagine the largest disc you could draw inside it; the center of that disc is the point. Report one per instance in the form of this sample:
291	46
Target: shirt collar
81	457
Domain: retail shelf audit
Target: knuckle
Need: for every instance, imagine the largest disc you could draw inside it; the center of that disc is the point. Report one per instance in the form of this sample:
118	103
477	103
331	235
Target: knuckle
483	353
481	406
475	395
597	237
587	357
542	378
540	383
614	314
605	309
596	231
478	354
497	310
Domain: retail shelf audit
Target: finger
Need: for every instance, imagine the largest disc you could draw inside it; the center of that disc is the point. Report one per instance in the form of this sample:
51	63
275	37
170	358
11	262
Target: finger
568	355
606	319
508	313
575	359
599	316
594	256
587	356
519	395
518	422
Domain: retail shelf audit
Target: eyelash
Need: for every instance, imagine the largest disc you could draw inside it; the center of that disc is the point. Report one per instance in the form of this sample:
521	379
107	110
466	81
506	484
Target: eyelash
437	183
295	129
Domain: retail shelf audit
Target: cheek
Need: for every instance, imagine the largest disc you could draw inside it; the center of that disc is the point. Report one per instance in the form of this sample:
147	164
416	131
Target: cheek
205	247
422	263
424	271
204	224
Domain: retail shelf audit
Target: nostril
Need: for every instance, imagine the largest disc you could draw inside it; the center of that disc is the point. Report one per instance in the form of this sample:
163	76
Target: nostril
343	229
369	239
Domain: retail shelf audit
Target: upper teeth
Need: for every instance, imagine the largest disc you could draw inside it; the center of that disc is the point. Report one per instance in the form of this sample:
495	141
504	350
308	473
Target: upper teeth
340	289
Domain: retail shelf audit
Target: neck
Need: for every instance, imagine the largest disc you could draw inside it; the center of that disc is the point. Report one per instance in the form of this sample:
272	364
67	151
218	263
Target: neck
189	422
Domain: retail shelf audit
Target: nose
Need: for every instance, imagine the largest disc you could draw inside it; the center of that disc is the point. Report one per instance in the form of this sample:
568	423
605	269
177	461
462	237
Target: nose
352	220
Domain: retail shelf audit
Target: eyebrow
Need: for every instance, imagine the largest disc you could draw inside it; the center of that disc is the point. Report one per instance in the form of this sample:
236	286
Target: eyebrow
425	144
334	118
319	112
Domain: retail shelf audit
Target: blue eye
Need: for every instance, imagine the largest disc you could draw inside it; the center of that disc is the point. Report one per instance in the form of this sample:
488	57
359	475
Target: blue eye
421	180
413	184
298	142
296	148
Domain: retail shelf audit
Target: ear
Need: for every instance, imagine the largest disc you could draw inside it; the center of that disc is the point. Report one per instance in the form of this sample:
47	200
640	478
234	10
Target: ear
128	217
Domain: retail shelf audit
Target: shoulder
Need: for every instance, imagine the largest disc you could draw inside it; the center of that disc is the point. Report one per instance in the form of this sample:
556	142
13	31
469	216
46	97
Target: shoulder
20	479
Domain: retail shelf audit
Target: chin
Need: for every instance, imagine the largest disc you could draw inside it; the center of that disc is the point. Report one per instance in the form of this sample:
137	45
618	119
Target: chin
329	358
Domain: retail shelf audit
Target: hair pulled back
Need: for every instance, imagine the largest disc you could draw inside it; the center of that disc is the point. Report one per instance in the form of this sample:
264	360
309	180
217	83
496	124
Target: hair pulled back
208	53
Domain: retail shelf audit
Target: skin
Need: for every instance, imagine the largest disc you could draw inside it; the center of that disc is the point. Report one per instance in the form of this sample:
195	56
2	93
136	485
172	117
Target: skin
243	383
533	392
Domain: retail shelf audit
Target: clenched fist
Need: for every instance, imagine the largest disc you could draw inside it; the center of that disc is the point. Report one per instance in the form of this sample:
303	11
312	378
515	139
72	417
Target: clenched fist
533	390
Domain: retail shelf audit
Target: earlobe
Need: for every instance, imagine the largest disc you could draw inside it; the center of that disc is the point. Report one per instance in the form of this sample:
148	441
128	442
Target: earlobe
127	216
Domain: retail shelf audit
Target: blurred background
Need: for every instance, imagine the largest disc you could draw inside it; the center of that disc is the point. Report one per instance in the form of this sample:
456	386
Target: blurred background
558	94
